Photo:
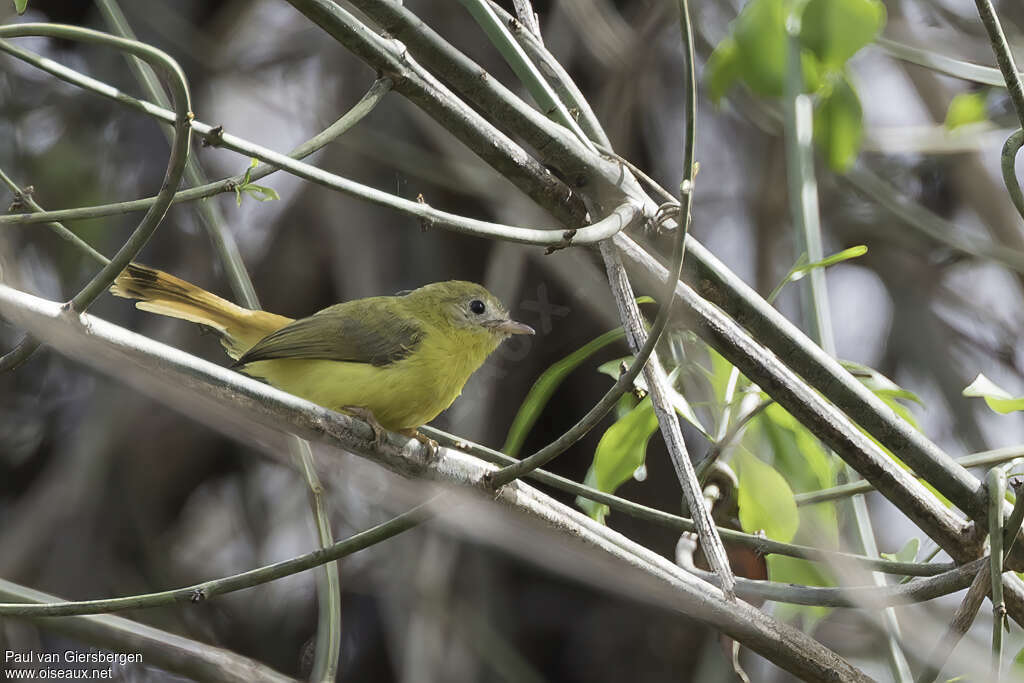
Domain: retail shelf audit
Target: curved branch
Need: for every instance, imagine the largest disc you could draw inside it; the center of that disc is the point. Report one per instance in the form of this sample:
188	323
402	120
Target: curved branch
178	86
208	589
179	378
617	219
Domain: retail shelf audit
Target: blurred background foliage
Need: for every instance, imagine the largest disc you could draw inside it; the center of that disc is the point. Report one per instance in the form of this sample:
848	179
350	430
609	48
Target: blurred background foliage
104	492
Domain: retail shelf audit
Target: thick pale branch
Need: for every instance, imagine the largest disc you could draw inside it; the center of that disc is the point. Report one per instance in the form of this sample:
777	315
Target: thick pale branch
618	217
209	390
657	382
762	366
168	651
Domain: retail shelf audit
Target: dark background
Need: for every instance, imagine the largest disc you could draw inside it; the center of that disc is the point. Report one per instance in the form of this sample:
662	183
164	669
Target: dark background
104	492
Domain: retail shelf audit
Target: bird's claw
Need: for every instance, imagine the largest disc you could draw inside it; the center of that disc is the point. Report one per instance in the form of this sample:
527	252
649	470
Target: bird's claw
432	446
380	435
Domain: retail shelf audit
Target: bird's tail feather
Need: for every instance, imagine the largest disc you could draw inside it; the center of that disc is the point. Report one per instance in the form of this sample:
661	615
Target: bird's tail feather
159	292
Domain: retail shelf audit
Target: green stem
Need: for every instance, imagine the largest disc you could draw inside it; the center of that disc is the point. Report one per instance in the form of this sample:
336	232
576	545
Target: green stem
1004	57
980	459
761	544
616	220
996	483
24	349
254	577
500	36
803	202
625	381
176	163
1008	162
328	589
209	213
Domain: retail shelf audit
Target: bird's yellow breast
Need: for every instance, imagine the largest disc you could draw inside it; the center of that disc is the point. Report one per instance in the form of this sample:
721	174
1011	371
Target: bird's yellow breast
401	395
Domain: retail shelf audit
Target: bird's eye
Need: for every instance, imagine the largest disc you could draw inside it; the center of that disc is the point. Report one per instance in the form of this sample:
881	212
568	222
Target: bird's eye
476	306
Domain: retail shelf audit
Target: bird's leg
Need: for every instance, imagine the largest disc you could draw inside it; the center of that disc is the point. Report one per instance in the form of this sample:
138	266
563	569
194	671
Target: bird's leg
432	446
380	434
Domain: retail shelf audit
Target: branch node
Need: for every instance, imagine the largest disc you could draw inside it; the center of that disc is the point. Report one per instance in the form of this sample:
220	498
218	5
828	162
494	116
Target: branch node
666	212
20	198
198	595
214	138
426	222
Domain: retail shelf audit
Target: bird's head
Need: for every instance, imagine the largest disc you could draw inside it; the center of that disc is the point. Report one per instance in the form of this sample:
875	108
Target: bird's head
467	308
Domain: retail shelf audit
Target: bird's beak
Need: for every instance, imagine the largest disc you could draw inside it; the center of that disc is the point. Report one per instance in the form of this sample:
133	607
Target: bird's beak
510	327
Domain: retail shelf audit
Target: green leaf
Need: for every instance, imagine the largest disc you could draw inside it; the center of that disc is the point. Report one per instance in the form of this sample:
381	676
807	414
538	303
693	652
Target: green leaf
878	383
844	255
261	193
813	71
834	30
799	456
722	70
761	46
997	398
20	6
783	569
542	390
613	369
838	124
908	553
966	107
620	453
766	502
801	267
1018	661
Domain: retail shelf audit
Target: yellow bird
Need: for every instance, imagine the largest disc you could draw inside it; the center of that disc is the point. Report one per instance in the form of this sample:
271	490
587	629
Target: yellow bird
394	361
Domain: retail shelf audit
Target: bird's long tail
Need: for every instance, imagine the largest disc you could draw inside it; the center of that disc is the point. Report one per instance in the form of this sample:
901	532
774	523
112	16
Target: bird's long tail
158	292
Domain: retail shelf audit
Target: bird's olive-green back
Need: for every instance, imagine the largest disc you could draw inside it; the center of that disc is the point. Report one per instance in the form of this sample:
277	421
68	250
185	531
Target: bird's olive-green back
378	330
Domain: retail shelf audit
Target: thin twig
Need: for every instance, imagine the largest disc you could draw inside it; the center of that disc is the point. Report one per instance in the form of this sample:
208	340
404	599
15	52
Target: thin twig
803	202
607	226
209	213
823	420
24	349
229	584
169	651
756	542
175	164
958	626
996	483
979	459
174	376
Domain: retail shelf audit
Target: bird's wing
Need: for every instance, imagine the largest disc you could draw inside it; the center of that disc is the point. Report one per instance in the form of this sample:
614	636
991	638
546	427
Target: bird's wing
370	331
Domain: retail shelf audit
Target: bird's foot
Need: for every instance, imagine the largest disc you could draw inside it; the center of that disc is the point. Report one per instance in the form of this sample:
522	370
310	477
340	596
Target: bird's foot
380	435
432	446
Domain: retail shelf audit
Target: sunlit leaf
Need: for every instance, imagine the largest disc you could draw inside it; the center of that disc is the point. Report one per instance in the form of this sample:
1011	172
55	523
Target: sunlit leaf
966	108
542	390
260	193
20	6
622	449
908	553
834	30
722	70
761	45
839	257
766	502
802	267
997	398
806	465
784	569
838	124
613	369
879	383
